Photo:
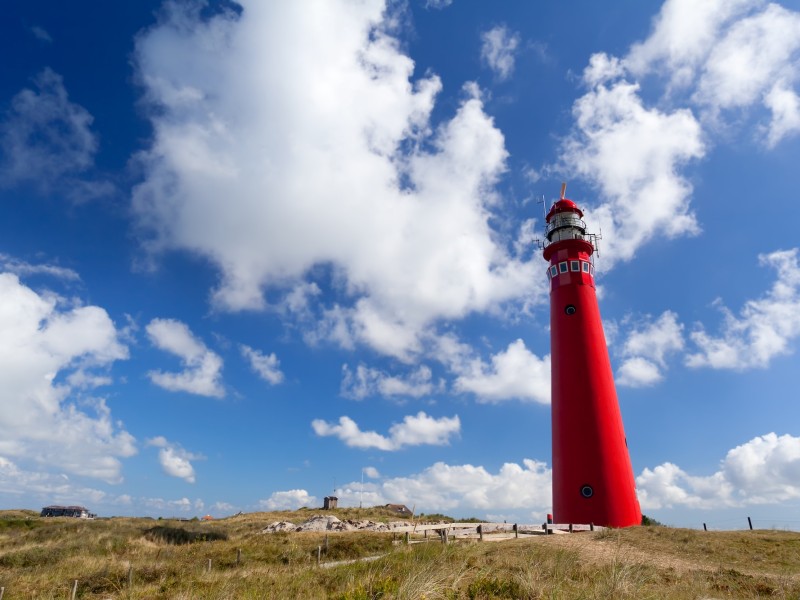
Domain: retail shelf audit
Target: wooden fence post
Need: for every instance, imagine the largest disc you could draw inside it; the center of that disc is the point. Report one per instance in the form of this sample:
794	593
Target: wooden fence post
704	527
749	522
591	526
516	530
444	536
130	576
406	539
570	527
2	591
319	554
208	568
74	590
238	556
480	532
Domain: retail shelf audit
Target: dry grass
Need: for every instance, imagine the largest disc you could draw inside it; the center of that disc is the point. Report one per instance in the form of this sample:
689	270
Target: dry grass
39	558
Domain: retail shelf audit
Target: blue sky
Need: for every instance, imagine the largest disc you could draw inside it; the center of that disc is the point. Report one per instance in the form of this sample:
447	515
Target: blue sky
253	252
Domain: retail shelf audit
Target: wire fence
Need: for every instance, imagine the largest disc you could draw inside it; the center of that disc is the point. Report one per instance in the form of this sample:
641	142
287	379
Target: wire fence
747	523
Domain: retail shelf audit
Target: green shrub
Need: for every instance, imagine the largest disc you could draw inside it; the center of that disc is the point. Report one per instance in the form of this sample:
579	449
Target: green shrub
39	556
490	588
178	536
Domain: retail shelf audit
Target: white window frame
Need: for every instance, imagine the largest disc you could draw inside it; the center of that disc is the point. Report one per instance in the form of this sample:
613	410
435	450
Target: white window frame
575	266
553	271
585	266
563	267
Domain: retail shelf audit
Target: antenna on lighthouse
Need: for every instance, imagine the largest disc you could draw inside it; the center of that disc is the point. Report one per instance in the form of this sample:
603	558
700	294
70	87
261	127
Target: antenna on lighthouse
543	202
563	189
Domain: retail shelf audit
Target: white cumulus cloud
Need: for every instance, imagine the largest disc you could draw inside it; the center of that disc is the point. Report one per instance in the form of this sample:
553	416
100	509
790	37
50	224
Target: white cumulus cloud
414	430
11	264
765	470
785	106
638	371
245	106
763	329
727	55
646	349
461	489
266	365
174	459
720	59
498	46
47	141
366	381
684	34
16	482
371	472
754	52
515	373
183	505
202	372
633	154
41	34
46	419
288	500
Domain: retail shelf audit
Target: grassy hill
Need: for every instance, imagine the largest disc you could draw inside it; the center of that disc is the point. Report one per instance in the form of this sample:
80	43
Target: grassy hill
169	559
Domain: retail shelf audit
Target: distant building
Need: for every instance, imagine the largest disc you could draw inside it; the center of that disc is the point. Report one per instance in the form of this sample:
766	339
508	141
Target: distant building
400	509
79	512
330	502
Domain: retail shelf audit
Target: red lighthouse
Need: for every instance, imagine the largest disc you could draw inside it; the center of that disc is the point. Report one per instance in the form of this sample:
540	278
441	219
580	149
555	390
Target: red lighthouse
592	474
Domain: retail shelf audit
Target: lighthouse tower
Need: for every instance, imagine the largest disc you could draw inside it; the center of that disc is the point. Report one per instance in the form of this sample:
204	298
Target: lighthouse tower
592	474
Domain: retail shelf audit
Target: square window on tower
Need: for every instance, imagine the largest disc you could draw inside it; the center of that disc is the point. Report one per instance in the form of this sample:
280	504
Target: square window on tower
562	267
585	266
575	265
553	271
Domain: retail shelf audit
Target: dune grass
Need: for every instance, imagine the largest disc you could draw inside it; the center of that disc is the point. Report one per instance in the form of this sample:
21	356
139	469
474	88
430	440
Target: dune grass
40	558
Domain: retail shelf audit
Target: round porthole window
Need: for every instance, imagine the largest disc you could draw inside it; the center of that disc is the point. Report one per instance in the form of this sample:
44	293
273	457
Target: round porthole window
570	309
587	491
